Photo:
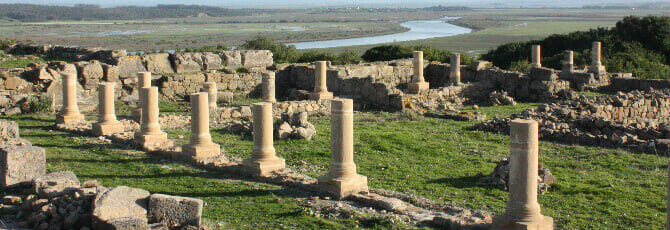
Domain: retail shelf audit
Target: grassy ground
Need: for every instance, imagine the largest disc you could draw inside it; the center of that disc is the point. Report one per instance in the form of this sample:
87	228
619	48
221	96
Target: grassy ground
597	188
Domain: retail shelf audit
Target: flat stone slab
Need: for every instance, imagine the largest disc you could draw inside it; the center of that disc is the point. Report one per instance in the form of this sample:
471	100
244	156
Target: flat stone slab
20	164
53	184
175	210
119	202
124	223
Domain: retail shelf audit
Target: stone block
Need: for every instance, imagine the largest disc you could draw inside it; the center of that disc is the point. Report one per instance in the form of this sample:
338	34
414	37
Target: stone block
175	210
120	202
158	63
341	188
231	58
256	58
107	129
110	73
89	74
202	151
479	65
124	223
417	87
54	184
20	164
129	66
542	74
9	129
186	62
211	61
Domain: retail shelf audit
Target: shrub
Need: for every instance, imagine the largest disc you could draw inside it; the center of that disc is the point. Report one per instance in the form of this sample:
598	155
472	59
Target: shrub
36	104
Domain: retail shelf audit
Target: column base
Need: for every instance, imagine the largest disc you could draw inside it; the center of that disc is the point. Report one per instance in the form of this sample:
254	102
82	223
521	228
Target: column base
201	151
417	87
274	100
137	115
153	142
505	222
321	96
100	129
342	188
263	167
597	70
70	119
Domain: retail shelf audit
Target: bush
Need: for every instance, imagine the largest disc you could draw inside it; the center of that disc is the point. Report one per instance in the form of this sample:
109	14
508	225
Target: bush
281	53
35	104
394	52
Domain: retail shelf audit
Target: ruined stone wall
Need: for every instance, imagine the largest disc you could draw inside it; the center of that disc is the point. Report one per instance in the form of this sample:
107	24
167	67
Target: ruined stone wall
226	114
628	83
178	86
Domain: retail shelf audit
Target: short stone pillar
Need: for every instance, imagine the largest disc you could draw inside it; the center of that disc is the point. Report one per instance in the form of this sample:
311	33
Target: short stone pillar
342	179
568	61
523	210
69	113
418	83
596	66
320	82
107	123
536	54
212	94
263	159
200	145
455	73
268	88
150	135
143	81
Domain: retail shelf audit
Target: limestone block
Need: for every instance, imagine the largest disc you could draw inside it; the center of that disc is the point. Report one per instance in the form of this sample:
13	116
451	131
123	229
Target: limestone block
542	74
256	58
231	58
479	65
175	210
9	129
14	83
110	73
89	73
158	63
119	202
211	61
20	164
129	66
124	223
53	184
186	62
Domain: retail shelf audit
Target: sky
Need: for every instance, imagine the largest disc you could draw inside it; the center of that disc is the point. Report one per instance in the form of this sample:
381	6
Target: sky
317	3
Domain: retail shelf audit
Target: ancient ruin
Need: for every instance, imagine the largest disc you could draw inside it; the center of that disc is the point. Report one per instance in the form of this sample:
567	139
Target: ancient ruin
107	123
536	56
212	93
596	66
418	83
455	70
143	81
150	135
200	145
69	113
264	158
268	88
321	82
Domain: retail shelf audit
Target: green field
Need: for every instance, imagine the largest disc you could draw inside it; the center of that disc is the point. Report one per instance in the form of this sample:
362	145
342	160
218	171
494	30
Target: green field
597	188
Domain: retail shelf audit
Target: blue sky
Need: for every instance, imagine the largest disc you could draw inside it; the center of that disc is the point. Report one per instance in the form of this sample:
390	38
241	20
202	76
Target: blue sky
313	3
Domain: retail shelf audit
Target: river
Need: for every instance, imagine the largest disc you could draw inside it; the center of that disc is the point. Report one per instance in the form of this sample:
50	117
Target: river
417	30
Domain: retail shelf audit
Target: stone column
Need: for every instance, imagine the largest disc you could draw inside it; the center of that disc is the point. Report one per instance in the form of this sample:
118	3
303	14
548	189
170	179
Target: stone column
107	123
268	87
455	73
320	80
69	113
143	81
667	223
342	179
150	135
523	210
263	159
418	83
212	94
568	61
200	145
596	66
536	56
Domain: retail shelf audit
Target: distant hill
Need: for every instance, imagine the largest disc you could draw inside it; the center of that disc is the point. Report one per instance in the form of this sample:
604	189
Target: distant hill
82	12
640	45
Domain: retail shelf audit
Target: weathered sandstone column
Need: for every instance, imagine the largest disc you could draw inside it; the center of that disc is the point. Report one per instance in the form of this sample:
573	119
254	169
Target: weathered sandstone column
568	61
342	179
320	87
69	113
596	66
143	81
455	73
150	135
212	94
523	211
536	56
268	87
418	83
107	123
263	159
200	145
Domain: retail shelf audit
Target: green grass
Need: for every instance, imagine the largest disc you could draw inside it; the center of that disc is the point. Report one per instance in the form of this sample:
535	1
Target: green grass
597	188
18	63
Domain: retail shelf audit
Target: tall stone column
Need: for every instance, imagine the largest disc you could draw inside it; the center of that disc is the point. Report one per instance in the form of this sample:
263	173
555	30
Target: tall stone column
418	83
523	210
320	81
263	159
200	145
342	179
107	123
150	135
568	61
268	88
143	81
69	113
596	66
536	56
455	73
212	94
